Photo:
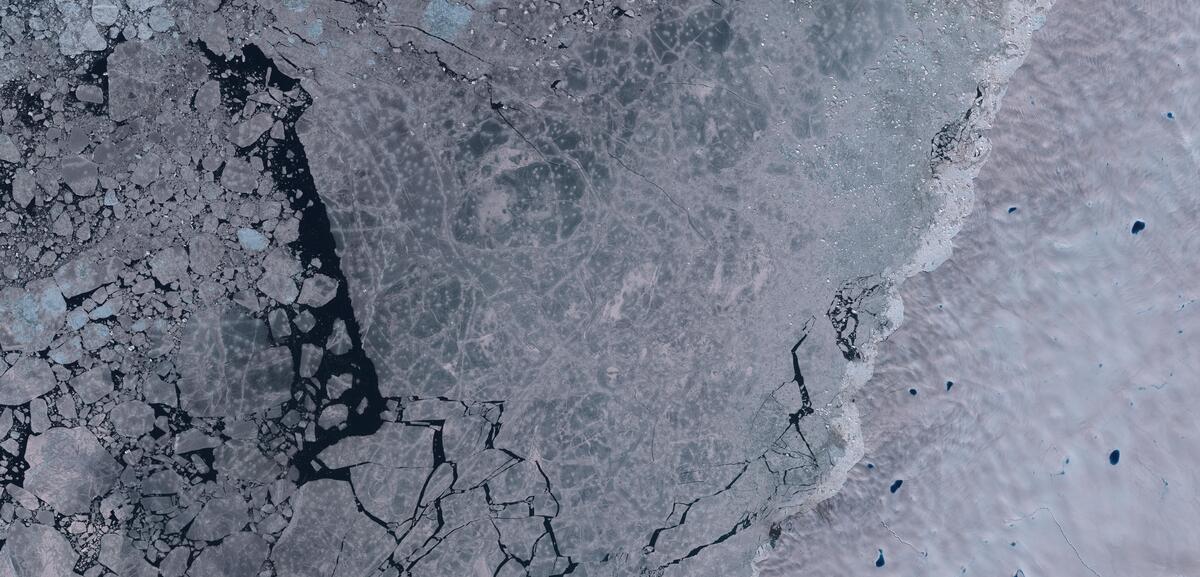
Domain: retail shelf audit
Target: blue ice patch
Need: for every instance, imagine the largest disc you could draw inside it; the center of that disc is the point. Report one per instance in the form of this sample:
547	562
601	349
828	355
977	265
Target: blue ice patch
252	240
444	19
296	5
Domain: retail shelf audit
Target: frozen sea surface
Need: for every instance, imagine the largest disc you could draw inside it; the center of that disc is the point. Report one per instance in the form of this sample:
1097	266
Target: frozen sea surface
382	288
1039	401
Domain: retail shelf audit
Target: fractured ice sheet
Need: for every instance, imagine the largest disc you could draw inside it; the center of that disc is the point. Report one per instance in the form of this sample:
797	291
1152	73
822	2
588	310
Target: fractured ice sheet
230	366
447	288
328	536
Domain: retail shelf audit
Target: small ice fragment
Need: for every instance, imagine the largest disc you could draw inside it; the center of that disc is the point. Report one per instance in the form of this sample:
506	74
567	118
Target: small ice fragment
318	290
277	281
23	188
305	321
93	385
280	326
251	130
26	380
333	416
160	19
143	5
310	360
105	12
8	150
68	352
337	385
90	38
77	319
132	418
169	265
80	174
87	272
80	37
339	339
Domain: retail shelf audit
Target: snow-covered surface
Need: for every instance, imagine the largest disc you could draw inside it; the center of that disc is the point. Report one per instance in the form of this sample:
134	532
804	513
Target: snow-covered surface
1066	336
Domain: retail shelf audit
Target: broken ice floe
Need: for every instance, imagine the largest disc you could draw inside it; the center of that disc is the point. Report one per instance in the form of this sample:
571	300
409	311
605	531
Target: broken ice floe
68	468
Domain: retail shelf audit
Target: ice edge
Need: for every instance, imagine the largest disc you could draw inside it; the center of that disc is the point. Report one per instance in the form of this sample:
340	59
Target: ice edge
953	183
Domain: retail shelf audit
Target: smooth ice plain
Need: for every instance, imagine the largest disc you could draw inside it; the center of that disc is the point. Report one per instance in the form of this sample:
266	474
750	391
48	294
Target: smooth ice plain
1038	402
